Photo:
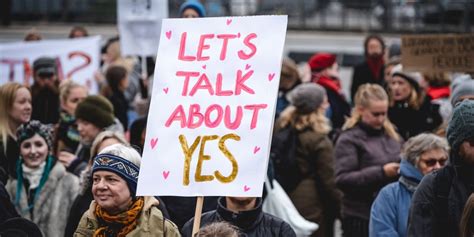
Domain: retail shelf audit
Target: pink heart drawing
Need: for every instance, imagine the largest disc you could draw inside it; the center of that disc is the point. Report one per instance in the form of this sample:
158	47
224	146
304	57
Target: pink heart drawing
165	90
238	35
153	142
246	188
204	66
229	21
166	174
256	149
247	67
271	76
168	34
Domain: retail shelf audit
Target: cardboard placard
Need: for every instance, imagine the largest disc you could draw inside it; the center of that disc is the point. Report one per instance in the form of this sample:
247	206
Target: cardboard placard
438	53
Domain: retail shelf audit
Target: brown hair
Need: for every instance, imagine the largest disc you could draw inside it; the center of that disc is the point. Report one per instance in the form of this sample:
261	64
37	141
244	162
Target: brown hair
218	229
78	28
364	96
467	220
437	79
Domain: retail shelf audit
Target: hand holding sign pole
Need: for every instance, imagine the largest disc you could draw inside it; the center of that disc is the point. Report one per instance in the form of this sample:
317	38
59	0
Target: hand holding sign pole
212	107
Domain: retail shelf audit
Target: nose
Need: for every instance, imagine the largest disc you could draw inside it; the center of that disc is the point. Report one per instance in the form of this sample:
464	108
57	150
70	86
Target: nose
437	166
101	184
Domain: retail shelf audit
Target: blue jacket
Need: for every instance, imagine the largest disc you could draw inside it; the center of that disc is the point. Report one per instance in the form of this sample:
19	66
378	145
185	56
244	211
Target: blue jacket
389	213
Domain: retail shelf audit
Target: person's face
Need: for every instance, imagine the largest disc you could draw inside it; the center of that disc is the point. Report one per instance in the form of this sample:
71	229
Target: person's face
374	48
332	71
76	95
432	160
87	131
241	202
110	191
21	109
466	151
190	13
78	34
375	114
45	79
400	88
124	84
324	106
388	74
34	151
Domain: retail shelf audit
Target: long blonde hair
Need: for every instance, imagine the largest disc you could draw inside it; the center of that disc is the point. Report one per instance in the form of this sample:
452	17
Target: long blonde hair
7	98
366	94
314	120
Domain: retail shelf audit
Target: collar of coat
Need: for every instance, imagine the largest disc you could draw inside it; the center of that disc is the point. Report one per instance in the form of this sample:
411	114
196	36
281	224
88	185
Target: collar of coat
244	220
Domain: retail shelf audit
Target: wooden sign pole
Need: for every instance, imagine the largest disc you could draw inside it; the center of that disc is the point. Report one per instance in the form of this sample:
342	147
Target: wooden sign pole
197	215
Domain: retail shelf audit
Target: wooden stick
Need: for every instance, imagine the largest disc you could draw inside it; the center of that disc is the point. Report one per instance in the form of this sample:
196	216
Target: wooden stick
197	215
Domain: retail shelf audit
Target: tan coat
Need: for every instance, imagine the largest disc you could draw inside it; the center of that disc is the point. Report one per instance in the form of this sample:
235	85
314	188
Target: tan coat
150	222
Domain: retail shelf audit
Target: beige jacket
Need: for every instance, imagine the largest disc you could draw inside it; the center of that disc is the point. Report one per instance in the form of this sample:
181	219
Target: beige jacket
150	222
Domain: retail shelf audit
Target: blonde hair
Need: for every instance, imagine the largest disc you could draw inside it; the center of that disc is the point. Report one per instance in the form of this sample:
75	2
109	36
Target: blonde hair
415	100
66	87
314	120
364	96
7	98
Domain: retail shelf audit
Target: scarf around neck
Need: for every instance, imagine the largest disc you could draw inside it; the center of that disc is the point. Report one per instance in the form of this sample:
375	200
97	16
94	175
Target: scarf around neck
33	175
120	224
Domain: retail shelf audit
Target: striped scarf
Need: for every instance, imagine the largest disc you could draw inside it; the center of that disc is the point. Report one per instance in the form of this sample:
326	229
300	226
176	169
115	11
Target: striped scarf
118	225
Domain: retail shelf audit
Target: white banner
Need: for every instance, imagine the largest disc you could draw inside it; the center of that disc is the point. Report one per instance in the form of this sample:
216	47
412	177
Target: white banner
139	23
212	108
78	59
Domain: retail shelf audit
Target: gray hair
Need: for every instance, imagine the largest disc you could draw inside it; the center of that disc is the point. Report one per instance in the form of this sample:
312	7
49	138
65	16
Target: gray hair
416	146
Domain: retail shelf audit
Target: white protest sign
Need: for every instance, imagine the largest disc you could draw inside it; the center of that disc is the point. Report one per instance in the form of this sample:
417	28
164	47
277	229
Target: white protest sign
139	23
77	59
213	105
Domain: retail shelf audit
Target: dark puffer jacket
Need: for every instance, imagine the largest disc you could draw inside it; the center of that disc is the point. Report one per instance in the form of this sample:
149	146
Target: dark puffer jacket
251	223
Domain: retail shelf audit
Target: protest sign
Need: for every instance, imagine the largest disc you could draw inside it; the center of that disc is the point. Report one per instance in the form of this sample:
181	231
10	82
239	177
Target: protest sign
438	53
139	23
77	59
213	105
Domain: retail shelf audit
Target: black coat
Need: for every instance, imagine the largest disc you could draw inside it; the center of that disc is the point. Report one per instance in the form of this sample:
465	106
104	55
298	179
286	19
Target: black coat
250	223
8	160
411	122
340	108
362	75
181	209
45	103
426	216
120	107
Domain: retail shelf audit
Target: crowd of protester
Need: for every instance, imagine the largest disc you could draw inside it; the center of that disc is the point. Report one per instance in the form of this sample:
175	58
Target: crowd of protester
395	157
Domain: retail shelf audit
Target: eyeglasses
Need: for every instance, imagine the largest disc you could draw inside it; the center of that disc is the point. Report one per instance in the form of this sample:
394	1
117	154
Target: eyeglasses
432	162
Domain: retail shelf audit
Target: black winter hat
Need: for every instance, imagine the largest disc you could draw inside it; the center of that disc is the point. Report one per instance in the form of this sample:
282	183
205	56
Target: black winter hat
97	110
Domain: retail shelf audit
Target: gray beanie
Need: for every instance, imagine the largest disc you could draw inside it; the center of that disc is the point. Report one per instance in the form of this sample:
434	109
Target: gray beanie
307	97
464	88
461	125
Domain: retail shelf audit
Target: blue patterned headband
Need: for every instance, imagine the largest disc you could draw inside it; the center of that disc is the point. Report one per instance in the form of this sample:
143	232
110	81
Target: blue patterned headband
116	164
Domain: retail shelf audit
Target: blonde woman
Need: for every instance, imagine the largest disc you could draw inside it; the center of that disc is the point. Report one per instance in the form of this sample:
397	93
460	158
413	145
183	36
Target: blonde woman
410	109
367	155
15	109
315	196
67	136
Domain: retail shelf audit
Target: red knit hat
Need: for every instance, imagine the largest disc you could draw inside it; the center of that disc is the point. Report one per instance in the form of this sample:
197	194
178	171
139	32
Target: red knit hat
321	61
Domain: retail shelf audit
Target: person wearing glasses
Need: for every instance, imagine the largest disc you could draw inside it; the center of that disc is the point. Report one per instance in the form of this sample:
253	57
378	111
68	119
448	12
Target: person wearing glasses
438	202
421	155
367	155
408	100
45	91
